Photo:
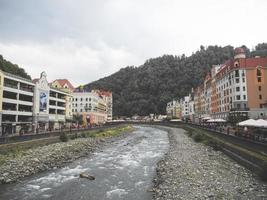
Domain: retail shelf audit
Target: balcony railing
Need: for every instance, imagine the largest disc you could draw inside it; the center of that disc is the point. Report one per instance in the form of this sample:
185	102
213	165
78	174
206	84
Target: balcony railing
239	109
26	89
10	85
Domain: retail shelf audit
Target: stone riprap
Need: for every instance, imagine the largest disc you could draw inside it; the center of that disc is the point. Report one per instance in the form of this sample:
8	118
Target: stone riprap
193	170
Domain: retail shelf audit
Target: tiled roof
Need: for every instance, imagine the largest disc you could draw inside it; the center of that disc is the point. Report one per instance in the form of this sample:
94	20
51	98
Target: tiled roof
62	82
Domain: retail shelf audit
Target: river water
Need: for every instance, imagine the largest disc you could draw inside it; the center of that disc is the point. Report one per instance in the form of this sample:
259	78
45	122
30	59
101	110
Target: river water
123	169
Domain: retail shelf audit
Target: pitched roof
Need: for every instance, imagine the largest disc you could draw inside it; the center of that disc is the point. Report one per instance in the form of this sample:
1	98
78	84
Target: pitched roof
63	82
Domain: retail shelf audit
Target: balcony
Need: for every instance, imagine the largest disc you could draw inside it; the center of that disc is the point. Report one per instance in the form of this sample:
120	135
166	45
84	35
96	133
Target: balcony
239	109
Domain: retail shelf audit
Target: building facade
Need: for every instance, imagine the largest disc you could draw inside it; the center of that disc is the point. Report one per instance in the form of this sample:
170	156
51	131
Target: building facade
16	103
107	97
234	90
49	111
30	106
173	110
65	86
91	106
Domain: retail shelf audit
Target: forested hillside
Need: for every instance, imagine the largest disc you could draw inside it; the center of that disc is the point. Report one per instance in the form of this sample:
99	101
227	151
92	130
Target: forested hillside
147	89
7	66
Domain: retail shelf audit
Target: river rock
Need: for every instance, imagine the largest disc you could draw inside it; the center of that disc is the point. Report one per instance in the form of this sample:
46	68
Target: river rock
87	176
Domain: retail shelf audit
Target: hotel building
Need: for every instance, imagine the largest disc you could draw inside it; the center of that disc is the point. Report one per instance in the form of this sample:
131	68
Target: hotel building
91	106
234	90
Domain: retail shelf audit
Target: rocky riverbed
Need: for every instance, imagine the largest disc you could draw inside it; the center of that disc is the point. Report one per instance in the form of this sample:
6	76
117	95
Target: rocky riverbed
50	157
192	170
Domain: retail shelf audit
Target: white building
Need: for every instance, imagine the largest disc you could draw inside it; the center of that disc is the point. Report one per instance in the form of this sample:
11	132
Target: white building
187	108
173	109
49	111
90	105
107	97
16	103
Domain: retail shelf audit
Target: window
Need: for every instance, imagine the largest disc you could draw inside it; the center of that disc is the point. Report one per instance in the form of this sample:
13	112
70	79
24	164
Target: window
259	73
260	97
237	89
259	88
86	99
236	73
237	80
238	97
244	88
244	97
81	110
238	105
245	105
81	99
243	80
76	99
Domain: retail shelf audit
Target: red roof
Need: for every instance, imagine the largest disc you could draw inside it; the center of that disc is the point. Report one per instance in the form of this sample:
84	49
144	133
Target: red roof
63	82
243	63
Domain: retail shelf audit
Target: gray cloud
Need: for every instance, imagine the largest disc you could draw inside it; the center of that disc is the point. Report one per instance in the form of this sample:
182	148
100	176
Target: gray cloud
86	40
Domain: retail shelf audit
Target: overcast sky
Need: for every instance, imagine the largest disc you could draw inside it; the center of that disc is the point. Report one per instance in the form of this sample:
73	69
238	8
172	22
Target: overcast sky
84	40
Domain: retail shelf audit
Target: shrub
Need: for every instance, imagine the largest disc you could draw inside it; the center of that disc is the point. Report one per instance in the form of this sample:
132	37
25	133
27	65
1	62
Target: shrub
74	136
63	137
198	137
83	135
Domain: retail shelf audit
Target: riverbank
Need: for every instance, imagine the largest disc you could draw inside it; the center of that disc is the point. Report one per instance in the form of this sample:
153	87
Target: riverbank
193	170
24	162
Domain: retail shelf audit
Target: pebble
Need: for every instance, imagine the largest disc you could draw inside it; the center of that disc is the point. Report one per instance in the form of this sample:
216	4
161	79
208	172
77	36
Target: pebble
202	173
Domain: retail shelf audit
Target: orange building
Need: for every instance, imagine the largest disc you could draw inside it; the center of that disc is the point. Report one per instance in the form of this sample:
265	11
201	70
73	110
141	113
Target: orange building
237	88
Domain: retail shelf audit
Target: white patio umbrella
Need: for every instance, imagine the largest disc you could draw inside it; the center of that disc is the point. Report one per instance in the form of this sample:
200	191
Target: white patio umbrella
210	120
261	123
249	122
219	120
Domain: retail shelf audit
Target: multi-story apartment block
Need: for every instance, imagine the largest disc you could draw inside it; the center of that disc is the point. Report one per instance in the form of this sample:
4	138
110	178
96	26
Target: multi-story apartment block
65	86
16	104
107	97
235	89
91	106
185	107
173	109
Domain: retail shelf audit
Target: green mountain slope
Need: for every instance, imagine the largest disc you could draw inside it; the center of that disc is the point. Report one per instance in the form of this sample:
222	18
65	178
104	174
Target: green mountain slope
9	67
